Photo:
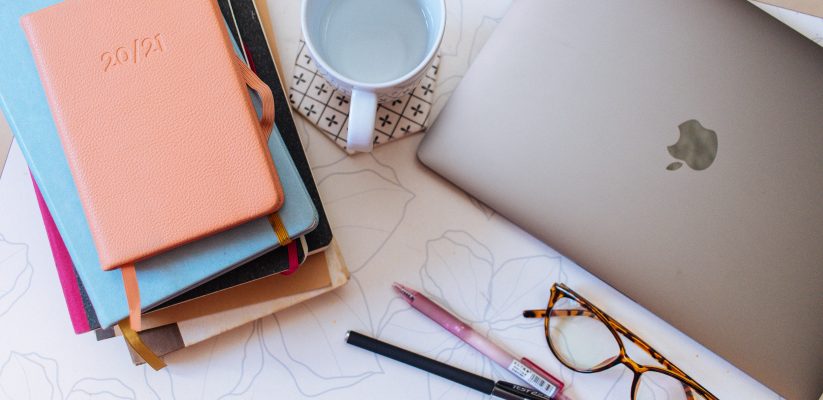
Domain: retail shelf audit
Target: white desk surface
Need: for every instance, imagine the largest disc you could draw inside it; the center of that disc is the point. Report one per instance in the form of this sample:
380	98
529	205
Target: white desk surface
395	221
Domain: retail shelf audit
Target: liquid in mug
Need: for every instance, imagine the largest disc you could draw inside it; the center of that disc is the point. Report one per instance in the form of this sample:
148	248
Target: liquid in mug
374	41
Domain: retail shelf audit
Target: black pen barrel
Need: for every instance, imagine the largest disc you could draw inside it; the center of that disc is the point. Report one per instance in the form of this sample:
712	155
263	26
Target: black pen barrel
473	381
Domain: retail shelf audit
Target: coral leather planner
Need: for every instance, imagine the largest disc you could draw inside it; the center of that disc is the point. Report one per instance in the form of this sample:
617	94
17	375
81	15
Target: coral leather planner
155	120
162	277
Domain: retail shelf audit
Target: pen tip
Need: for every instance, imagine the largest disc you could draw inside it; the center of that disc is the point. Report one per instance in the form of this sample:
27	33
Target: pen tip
403	291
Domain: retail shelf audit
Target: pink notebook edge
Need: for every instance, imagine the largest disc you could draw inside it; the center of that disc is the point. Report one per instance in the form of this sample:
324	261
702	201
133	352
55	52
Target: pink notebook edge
65	268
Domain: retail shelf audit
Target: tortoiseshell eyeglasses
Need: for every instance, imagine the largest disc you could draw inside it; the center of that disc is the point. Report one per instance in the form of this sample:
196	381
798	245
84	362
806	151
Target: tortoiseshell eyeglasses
587	340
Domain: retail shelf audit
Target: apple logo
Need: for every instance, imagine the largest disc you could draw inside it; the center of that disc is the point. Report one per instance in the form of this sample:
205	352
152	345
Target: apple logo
697	146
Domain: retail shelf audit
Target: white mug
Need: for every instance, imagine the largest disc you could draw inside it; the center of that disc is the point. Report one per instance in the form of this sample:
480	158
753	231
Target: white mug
373	51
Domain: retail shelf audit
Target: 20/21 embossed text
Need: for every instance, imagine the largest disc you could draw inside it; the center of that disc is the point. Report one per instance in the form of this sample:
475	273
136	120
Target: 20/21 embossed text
139	51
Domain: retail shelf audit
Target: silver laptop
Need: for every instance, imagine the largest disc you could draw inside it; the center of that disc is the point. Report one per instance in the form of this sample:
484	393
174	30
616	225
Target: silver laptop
672	148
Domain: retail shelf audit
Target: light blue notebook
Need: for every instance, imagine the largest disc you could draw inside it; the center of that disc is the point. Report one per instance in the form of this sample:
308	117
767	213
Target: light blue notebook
27	112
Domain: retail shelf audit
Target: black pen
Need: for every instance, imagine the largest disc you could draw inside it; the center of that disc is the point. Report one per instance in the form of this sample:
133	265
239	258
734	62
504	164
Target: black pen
501	389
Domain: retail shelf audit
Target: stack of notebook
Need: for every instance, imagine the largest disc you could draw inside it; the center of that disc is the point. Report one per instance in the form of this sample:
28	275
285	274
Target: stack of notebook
191	284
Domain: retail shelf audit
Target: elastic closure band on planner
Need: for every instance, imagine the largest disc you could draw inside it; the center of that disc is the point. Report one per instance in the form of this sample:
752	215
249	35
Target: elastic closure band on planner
132	294
265	94
134	341
279	229
285	241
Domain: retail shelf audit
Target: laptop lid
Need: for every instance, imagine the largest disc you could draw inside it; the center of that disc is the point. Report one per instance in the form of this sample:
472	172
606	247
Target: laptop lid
672	148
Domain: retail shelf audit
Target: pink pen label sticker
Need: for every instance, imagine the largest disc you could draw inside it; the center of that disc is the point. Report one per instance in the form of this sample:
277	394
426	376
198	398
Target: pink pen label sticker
532	378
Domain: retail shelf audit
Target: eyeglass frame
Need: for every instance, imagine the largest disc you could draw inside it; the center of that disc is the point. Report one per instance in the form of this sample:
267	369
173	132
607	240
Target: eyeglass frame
560	290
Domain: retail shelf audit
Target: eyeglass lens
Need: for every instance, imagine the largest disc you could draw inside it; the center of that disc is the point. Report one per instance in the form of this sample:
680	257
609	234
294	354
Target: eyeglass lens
579	338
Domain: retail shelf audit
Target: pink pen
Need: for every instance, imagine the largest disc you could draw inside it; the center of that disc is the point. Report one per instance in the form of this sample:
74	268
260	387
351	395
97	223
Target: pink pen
523	368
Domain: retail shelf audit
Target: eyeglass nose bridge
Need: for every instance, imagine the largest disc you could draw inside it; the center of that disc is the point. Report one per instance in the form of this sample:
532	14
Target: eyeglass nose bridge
631	364
621	358
636	369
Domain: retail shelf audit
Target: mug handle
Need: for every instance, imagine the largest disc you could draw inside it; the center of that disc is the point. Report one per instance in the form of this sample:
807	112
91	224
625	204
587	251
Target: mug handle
362	113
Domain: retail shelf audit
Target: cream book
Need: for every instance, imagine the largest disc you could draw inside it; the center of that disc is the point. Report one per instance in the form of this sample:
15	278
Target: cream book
174	328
